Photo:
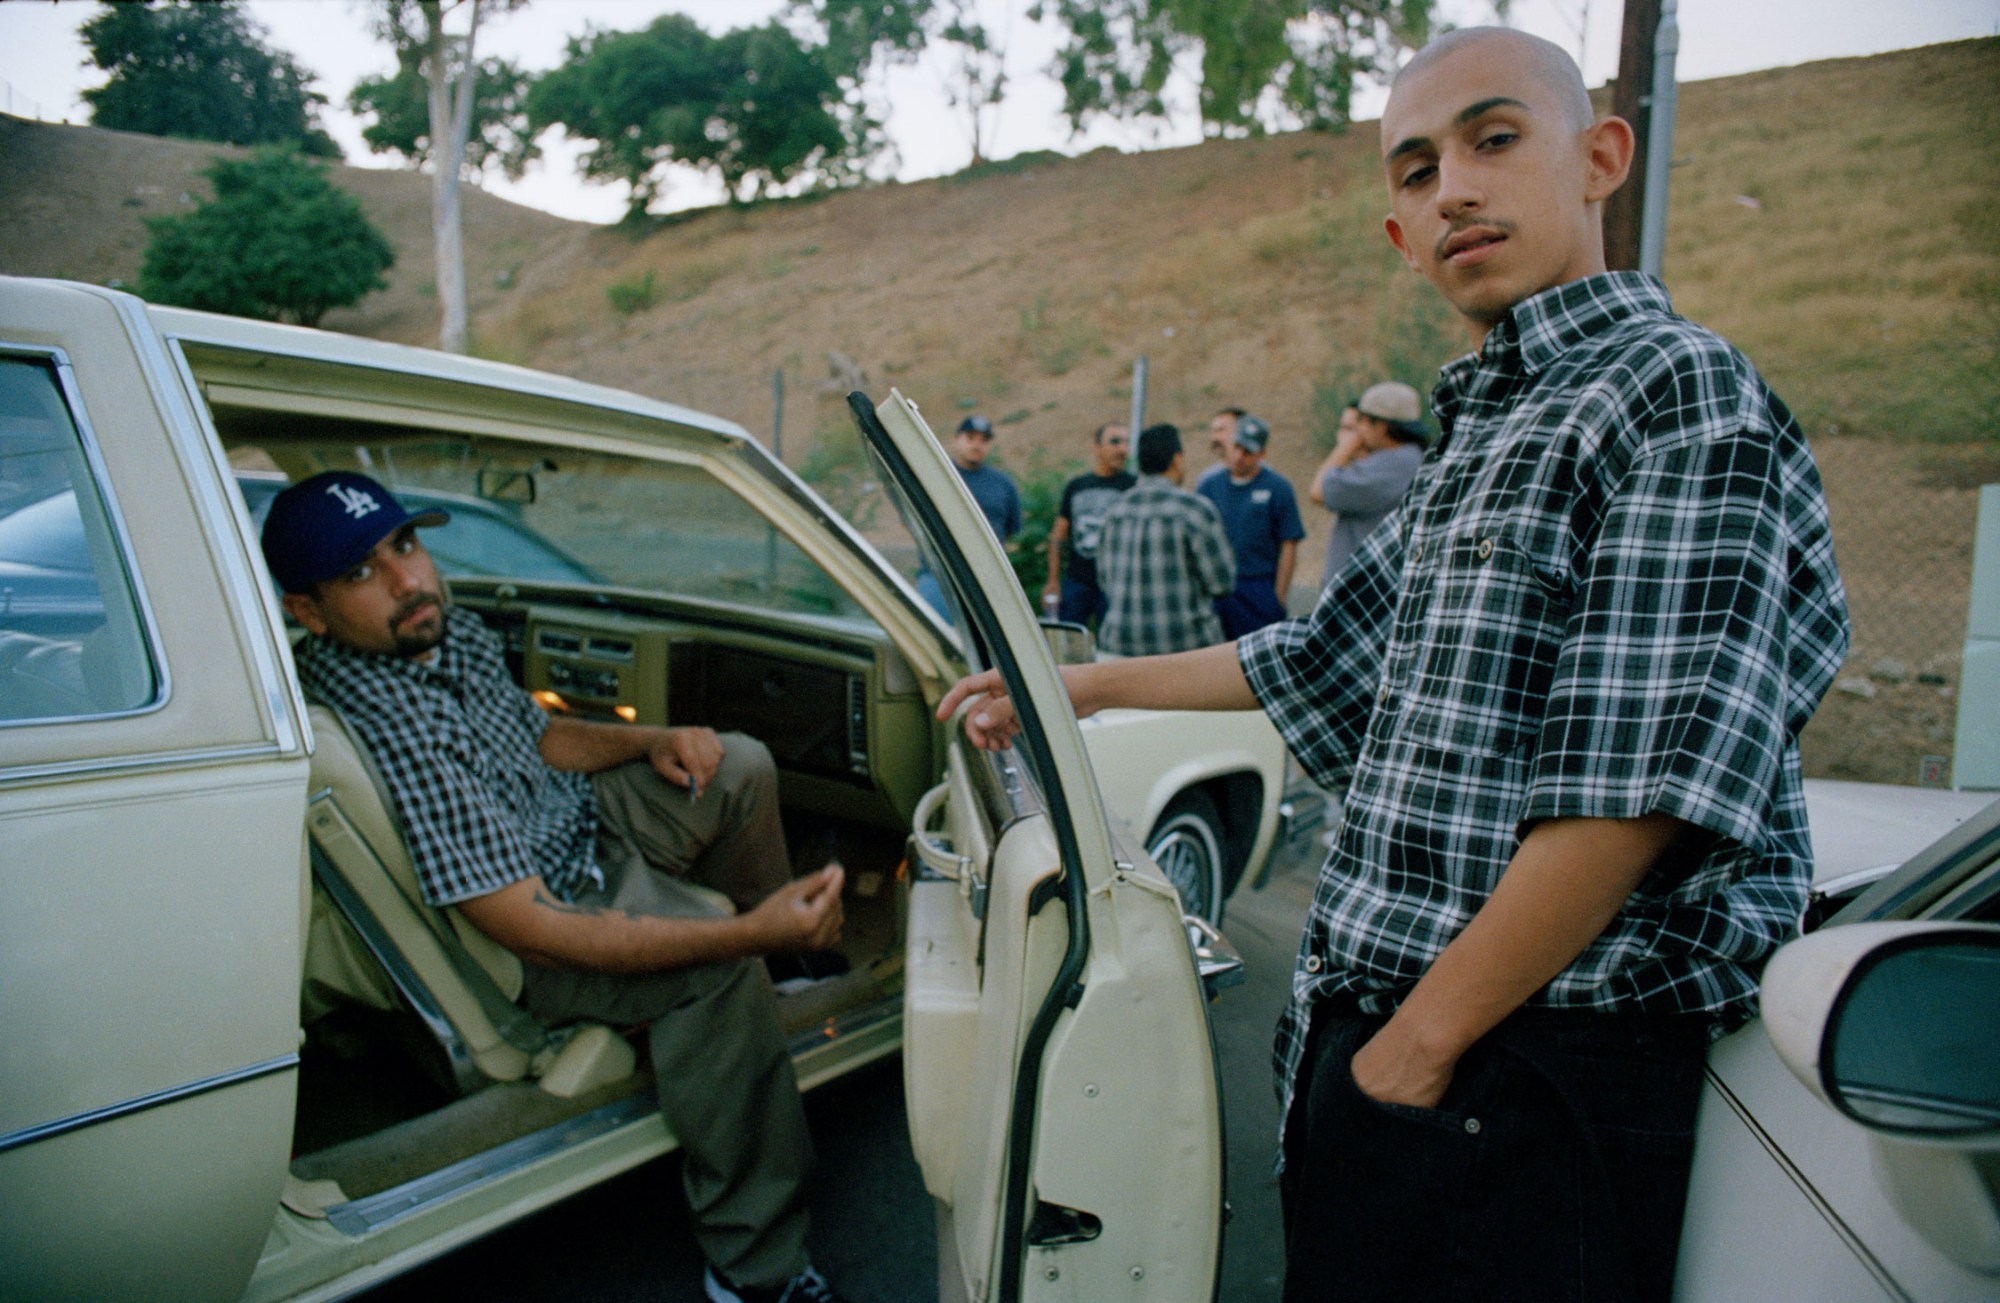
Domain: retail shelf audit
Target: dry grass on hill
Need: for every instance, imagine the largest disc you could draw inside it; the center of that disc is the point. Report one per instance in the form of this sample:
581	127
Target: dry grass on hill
1836	220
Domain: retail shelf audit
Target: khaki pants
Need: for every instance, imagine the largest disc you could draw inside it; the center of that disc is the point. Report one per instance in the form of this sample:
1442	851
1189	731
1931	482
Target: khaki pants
725	1079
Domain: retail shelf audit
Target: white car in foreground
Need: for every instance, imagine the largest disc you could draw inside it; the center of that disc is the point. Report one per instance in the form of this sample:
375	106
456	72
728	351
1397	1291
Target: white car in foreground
238	1056
1871	1169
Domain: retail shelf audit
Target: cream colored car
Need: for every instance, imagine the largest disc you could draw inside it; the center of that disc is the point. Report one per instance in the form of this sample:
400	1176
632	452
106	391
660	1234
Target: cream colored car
239	1058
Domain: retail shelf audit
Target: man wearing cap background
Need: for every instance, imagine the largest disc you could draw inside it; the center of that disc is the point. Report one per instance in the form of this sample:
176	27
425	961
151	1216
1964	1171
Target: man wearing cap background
567	842
1374	458
992	488
1262	516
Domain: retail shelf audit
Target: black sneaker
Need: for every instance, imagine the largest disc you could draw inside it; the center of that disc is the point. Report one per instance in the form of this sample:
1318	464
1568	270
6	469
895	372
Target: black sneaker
806	1287
795	972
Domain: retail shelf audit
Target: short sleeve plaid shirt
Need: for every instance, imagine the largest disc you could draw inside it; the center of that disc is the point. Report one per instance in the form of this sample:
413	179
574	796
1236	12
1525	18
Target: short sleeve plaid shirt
457	742
1610	592
1163	558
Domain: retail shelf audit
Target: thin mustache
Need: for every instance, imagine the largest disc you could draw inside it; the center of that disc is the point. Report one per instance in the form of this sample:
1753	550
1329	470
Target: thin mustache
1460	227
411	605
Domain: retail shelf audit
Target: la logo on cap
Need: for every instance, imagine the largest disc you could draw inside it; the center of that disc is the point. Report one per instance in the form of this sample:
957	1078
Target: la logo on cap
358	502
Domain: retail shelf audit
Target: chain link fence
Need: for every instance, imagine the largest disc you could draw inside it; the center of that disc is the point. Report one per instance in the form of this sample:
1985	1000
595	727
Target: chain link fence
1904	517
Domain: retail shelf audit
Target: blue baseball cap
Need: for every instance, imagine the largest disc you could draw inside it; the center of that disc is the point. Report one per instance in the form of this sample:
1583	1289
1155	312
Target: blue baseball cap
1252	434
322	527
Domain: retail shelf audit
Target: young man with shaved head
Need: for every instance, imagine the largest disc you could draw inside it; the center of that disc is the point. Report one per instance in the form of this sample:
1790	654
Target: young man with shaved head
1562	686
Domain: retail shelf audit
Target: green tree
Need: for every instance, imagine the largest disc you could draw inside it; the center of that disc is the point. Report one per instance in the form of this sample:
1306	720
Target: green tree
856	38
755	107
1257	63
279	242
399	106
199	72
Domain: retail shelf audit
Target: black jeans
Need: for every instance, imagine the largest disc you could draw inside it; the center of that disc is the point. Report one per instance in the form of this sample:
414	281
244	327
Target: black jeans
1554	1170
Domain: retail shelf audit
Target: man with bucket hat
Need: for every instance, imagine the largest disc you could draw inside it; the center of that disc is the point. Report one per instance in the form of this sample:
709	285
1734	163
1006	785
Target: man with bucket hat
1376	455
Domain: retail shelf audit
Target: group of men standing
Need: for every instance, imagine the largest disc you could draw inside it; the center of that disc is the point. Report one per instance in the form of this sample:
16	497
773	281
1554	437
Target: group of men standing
1161	568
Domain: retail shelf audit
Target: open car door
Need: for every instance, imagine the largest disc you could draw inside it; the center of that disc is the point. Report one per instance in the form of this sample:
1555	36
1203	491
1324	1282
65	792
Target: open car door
1061	1084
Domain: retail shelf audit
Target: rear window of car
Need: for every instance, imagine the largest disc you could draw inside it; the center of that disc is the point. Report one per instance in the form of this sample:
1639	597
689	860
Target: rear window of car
72	641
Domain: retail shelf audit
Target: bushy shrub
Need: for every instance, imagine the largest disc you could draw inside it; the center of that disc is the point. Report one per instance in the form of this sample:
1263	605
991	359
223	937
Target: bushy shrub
633	294
279	242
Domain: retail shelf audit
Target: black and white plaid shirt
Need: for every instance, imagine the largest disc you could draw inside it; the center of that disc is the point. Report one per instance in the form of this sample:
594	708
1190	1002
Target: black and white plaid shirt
1163	557
1611	591
457	742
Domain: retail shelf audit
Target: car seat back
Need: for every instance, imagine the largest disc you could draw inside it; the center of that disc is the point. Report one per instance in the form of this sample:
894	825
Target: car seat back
461	983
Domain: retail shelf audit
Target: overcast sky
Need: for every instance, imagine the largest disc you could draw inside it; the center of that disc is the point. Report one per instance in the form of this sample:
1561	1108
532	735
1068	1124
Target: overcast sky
42	67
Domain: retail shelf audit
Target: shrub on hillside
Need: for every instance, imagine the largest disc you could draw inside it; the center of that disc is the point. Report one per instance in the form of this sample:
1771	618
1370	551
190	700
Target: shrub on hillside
633	294
279	242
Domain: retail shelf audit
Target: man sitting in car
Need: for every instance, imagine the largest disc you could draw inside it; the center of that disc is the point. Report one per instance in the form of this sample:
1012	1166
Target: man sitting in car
570	843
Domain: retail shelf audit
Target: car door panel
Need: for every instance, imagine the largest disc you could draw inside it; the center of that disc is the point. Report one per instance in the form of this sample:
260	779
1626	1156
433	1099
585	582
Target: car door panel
1800	1194
1056	1027
152	888
1756	1225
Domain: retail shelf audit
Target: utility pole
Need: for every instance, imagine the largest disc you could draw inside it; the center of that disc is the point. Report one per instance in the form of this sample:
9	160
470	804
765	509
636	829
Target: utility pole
1138	400
1660	139
1632	100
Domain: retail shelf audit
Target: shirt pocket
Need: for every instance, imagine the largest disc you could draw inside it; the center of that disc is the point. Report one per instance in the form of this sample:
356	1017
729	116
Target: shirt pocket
1495	609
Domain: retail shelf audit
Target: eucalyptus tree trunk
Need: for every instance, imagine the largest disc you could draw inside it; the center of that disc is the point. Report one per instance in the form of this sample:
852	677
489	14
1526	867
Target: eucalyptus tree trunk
451	127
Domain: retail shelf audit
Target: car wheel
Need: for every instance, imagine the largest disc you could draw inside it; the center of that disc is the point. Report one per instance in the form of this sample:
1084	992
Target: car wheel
1187	845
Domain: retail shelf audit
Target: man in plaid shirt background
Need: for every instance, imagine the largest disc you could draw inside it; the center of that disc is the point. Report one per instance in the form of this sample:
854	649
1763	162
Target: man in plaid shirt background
1563	686
1163	557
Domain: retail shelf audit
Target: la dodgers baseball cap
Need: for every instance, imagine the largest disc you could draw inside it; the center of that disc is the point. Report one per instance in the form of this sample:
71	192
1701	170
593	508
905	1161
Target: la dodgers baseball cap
323	526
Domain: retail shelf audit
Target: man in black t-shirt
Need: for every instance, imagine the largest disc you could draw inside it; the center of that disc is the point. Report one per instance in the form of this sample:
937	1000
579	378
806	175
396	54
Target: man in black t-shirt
1072	593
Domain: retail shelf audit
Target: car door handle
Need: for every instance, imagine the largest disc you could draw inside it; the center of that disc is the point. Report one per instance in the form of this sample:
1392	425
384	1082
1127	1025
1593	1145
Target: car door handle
1216	961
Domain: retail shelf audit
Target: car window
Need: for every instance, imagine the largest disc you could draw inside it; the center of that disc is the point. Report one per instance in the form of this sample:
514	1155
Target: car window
481	540
587	518
71	641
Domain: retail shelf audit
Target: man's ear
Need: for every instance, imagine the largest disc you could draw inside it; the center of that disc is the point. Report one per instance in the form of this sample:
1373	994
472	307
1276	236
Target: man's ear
1608	148
1395	230
305	610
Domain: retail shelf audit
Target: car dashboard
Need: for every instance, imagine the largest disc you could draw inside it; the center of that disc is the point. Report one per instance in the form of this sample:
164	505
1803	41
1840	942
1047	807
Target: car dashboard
839	708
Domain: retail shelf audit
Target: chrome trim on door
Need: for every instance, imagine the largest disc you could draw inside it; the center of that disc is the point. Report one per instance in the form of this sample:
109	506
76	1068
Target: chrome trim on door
141	1103
153	762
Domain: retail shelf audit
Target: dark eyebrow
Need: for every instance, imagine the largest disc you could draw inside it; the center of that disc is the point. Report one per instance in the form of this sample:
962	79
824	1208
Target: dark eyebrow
1470	113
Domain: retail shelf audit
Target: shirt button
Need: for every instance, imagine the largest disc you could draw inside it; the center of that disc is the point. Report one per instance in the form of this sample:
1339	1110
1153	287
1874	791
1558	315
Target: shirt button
1472	1127
1485	548
1416	551
1313	964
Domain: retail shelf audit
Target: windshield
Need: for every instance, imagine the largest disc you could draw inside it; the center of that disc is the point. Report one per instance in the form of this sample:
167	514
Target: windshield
569	517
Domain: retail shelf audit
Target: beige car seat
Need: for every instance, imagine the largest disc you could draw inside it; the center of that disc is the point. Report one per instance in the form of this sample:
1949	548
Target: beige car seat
374	941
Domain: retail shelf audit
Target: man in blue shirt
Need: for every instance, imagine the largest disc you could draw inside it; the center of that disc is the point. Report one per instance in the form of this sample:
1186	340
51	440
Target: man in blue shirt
1262	516
993	489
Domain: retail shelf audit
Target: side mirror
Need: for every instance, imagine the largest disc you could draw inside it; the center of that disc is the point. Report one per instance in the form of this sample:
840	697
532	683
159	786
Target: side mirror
1892	1024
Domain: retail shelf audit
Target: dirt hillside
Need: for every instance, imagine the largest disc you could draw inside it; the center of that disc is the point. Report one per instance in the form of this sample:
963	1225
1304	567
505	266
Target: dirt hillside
1836	220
